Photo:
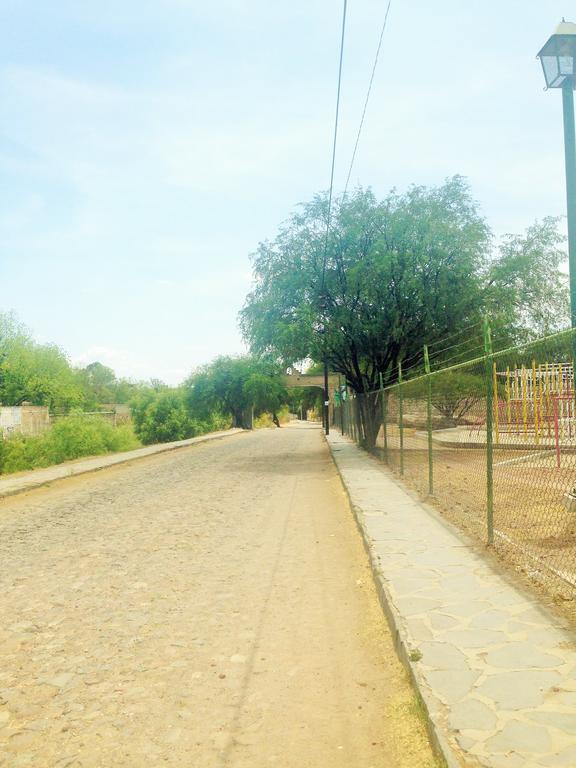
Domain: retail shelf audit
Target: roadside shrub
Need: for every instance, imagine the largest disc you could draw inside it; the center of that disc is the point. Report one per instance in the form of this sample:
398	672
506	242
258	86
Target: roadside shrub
77	436
20	453
164	416
161	417
70	438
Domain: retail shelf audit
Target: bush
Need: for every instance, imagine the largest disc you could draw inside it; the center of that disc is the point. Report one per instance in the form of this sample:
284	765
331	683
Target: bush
70	438
161	417
164	416
78	436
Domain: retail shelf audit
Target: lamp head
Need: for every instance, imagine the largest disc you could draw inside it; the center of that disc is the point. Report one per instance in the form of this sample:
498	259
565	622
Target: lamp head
558	56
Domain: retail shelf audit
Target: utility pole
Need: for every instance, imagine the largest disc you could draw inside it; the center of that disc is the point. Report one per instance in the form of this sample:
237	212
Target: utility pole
326	400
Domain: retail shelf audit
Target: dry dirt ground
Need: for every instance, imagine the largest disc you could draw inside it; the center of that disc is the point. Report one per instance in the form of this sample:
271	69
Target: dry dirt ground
206	608
535	533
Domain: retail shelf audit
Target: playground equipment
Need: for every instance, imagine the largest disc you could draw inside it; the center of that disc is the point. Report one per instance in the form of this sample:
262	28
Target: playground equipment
536	402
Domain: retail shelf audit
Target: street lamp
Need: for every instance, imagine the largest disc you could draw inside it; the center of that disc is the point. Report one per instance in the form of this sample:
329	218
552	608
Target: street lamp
558	59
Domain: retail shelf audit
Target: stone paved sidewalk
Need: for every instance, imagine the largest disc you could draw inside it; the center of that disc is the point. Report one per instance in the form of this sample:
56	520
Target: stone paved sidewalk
496	672
26	481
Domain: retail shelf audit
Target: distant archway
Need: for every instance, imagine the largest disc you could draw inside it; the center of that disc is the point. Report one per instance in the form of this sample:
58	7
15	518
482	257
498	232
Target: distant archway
301	380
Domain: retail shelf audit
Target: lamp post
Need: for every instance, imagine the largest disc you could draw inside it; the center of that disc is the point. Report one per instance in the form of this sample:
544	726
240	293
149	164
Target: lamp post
558	59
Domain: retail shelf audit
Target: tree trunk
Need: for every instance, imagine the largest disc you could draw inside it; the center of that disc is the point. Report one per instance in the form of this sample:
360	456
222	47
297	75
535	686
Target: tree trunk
368	420
242	419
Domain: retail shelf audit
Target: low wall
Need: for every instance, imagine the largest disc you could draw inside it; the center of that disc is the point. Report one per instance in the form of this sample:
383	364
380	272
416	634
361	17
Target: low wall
23	419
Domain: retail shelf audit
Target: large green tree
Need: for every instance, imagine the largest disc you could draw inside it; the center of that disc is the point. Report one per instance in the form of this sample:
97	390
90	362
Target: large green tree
393	275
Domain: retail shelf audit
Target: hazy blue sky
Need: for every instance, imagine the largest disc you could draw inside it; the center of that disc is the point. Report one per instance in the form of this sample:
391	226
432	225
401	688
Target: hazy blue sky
146	146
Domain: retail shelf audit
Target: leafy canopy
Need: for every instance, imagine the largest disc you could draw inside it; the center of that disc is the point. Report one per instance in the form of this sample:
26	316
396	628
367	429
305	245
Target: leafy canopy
37	373
407	270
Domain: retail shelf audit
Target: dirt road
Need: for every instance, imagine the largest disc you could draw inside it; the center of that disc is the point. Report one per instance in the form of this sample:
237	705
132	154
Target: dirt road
208	608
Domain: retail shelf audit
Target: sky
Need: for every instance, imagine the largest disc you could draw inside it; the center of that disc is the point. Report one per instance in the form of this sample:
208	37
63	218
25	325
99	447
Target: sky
148	146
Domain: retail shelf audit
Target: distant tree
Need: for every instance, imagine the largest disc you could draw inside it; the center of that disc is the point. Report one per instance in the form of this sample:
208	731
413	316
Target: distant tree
157	385
526	292
219	386
100	382
126	389
265	394
303	399
37	373
42	375
232	386
454	392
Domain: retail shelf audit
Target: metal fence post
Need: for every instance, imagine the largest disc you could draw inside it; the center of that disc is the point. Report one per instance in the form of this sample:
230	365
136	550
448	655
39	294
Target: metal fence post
384	405
401	417
350	418
340	415
429	421
489	435
348	413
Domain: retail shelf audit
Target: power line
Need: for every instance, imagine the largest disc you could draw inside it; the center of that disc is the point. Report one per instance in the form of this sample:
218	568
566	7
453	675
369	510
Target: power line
452	335
407	360
367	96
452	346
459	354
417	364
336	120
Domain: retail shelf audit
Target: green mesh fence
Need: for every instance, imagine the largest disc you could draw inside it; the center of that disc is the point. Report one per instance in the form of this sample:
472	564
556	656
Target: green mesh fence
492	444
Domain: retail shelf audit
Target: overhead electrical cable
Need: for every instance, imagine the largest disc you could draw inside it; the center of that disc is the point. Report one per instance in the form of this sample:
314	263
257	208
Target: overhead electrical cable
334	143
452	346
464	352
453	335
375	65
323	303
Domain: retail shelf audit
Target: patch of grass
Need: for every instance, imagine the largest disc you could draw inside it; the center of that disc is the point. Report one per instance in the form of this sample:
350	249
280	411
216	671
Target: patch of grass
417	708
415	655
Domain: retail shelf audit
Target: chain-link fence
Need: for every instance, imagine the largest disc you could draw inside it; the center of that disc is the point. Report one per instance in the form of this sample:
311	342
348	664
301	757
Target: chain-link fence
492	443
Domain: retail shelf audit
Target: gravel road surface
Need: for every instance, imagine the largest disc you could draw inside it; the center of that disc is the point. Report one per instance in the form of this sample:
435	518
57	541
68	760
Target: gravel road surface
208	608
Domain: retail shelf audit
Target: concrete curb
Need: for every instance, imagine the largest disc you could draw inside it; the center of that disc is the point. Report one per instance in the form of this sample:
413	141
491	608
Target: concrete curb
12	485
439	742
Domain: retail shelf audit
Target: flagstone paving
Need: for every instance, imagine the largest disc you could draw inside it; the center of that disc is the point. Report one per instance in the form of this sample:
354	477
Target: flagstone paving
496	671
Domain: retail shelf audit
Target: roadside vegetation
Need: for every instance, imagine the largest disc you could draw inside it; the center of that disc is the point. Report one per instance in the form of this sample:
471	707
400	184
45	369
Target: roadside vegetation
164	416
70	438
230	391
